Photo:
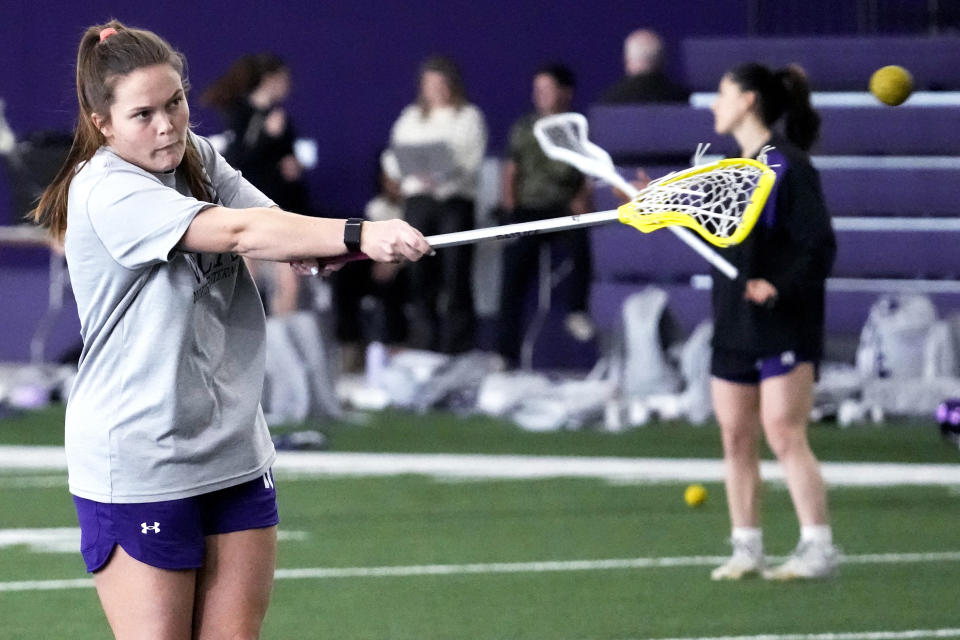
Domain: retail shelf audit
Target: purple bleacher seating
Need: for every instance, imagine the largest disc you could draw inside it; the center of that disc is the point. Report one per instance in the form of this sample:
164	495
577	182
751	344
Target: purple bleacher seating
900	192
884	131
897	254
621	253
832	63
872	191
638	131
653	130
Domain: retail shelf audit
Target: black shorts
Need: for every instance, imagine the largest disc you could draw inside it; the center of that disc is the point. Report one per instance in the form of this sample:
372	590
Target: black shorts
743	368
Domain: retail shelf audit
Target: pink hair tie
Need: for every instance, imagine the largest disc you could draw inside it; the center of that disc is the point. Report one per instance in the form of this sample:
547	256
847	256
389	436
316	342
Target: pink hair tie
106	33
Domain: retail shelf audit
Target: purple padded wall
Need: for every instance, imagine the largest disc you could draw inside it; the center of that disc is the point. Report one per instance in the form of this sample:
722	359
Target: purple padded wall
832	63
653	130
628	132
354	68
899	192
354	64
885	131
901	254
621	253
874	191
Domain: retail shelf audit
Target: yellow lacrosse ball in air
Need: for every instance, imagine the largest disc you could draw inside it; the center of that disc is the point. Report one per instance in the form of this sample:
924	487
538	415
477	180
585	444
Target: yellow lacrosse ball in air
695	495
891	84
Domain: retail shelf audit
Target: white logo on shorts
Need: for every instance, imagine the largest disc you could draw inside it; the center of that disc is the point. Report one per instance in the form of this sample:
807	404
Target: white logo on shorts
788	358
144	527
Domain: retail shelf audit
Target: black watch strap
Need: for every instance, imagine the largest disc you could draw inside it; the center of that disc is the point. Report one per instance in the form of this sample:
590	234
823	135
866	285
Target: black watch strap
351	234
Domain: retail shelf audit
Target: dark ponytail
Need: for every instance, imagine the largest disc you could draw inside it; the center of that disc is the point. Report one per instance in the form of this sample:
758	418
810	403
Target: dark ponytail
783	93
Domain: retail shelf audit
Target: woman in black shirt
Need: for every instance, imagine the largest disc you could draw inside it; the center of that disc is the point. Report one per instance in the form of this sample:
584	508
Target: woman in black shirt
768	323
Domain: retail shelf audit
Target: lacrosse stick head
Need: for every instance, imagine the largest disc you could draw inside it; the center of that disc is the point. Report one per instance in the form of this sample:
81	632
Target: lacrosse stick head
721	201
563	137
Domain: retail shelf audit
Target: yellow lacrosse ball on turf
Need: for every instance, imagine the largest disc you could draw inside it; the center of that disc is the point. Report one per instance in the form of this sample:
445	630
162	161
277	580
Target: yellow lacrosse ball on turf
891	84
695	495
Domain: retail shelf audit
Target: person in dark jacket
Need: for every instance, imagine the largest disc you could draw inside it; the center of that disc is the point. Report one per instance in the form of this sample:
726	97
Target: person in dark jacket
250	97
644	79
768	323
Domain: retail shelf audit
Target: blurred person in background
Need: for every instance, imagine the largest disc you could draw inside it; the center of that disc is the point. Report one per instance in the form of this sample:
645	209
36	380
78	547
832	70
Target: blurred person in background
536	187
250	98
441	306
369	297
644	77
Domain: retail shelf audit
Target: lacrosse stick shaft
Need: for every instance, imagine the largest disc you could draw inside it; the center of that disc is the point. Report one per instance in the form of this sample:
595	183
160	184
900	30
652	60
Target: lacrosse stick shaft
501	232
506	231
548	225
683	233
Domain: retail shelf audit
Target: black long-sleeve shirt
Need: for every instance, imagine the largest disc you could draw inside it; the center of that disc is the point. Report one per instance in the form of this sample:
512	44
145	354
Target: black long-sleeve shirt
257	155
792	247
645	87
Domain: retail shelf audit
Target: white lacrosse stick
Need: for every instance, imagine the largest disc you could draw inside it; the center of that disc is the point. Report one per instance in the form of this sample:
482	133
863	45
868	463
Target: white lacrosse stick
721	200
563	137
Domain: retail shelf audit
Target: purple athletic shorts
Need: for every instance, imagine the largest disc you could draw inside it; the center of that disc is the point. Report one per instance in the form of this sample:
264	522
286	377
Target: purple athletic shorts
170	534
733	366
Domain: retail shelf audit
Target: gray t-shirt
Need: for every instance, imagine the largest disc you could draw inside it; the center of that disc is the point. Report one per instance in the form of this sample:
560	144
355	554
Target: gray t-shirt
166	403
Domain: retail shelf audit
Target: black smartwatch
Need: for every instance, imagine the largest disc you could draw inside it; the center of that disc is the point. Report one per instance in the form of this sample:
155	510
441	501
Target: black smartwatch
351	234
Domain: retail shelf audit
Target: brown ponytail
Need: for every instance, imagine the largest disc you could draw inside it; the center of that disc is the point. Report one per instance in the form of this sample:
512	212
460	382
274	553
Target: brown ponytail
100	64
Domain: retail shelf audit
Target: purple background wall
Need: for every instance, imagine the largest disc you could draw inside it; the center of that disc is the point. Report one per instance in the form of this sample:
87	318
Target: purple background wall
354	68
354	64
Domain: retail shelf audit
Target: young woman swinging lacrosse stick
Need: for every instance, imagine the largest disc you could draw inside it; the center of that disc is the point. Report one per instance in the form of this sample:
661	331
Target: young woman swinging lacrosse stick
168	453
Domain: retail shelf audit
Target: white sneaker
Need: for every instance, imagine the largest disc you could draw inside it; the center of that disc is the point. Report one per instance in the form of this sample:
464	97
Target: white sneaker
580	326
809	561
747	560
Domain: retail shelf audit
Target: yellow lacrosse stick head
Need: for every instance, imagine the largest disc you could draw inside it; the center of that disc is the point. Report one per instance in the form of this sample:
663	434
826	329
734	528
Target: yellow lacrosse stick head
721	201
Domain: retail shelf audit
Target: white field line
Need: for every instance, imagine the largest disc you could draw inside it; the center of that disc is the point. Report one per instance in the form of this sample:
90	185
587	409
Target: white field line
515	467
33	482
34	458
321	573
854	635
67	539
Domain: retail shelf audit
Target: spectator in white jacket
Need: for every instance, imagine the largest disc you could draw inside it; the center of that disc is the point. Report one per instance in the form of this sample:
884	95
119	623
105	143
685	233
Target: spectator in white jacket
439	198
